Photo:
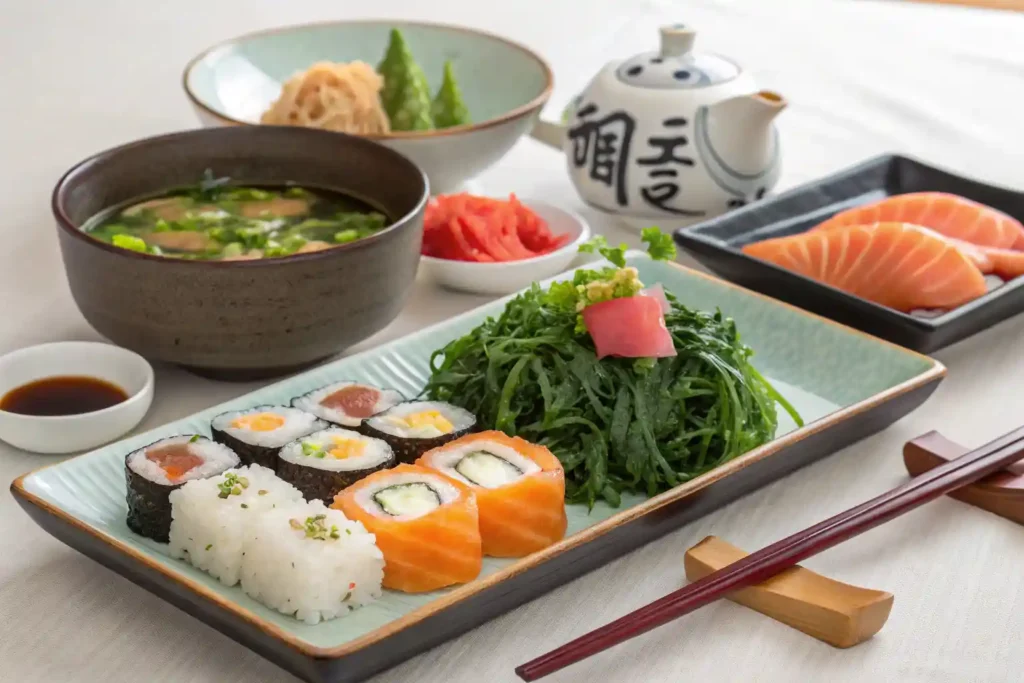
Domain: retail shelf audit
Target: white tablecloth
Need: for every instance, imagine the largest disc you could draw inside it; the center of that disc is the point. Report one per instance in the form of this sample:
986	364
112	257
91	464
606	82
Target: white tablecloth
942	83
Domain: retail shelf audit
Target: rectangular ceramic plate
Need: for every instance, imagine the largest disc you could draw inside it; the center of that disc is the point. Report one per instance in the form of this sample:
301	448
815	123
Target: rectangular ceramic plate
716	243
846	385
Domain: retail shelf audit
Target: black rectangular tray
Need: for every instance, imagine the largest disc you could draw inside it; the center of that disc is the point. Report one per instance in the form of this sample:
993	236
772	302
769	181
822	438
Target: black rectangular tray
717	244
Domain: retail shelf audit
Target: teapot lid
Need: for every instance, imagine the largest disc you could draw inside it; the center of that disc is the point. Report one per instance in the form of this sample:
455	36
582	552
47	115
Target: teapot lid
676	66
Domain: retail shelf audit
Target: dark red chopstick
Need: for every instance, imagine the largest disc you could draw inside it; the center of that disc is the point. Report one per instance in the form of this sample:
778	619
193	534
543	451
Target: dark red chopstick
771	560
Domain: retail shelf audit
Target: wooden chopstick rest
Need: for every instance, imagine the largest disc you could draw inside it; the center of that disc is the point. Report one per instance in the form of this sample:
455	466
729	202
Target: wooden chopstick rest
1001	493
836	613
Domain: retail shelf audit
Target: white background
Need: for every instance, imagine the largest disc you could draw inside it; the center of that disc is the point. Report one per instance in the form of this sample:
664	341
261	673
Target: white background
942	83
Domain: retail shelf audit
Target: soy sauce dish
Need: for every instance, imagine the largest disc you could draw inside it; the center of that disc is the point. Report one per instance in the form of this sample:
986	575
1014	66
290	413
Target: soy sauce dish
241	253
71	396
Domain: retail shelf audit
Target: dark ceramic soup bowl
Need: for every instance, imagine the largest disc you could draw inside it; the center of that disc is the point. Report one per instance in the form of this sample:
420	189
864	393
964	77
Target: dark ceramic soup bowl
243	319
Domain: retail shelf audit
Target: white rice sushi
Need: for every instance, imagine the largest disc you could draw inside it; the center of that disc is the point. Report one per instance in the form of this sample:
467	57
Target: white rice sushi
325	462
311	562
152	473
348	403
211	517
258	433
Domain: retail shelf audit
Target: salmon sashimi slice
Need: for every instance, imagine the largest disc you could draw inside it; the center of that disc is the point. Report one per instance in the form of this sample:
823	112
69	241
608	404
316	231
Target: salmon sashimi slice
899	265
519	487
947	214
1006	263
426	524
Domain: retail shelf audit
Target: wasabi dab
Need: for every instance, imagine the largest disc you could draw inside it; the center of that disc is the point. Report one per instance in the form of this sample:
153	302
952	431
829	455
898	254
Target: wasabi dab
448	108
406	93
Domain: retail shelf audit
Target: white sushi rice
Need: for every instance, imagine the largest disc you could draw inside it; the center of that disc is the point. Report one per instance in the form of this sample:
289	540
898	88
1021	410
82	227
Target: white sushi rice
216	458
311	403
311	576
416	507
393	421
208	530
482	463
375	452
297	423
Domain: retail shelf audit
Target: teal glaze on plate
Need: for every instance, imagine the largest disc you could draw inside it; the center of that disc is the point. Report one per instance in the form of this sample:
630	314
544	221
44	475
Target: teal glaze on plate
241	79
819	366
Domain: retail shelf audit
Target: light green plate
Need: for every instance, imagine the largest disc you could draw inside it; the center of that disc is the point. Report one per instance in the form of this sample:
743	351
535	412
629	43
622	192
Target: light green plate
820	366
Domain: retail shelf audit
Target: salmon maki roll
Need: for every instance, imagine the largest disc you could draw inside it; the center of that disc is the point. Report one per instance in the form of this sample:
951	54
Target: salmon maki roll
426	525
519	487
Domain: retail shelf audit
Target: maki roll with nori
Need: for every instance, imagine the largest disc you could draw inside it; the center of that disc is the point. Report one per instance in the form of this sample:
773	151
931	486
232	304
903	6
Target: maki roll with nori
161	467
348	404
325	462
257	434
414	427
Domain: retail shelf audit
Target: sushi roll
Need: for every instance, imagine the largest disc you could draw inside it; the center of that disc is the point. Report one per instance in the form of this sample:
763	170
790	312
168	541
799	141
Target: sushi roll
325	462
414	427
153	472
257	434
519	487
425	524
348	404
211	517
308	561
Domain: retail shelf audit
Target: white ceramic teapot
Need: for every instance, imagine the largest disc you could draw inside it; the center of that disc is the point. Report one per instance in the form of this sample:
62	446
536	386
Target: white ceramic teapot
670	137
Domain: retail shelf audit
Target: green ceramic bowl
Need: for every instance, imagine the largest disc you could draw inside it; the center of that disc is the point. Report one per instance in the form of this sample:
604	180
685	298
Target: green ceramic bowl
505	85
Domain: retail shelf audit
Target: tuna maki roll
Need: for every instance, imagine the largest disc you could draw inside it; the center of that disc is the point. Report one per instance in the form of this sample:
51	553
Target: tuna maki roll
414	427
161	467
257	434
327	461
348	404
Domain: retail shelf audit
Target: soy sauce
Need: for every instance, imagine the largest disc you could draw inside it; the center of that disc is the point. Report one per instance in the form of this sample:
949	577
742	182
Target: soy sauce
63	395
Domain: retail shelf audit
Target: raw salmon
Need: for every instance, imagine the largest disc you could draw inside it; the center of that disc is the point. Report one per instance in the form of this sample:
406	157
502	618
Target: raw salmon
1006	263
434	542
519	486
899	265
947	214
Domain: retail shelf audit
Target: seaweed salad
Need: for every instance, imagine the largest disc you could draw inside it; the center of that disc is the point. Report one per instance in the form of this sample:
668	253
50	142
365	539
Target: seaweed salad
617	424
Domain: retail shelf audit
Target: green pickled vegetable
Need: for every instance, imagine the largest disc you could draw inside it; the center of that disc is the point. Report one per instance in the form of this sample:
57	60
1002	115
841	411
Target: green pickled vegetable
406	93
346	236
448	108
616	424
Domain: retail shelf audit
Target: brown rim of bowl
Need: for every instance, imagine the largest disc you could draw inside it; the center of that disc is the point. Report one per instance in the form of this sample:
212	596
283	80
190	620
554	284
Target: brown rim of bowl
68	226
535	104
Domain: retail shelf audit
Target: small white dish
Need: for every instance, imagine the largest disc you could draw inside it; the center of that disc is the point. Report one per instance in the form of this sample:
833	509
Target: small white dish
71	433
511	276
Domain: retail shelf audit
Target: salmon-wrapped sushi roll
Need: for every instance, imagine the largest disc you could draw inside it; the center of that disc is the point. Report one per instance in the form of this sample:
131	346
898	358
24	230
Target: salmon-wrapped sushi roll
426	525
519	486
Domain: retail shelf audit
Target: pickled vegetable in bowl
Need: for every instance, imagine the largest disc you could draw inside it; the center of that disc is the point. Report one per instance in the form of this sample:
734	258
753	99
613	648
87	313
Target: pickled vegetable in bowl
216	221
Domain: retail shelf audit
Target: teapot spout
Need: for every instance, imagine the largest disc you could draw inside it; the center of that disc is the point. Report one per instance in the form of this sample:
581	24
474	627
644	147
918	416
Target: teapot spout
748	112
739	134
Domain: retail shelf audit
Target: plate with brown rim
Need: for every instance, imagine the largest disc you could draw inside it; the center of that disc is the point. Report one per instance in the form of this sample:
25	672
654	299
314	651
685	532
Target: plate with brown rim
845	384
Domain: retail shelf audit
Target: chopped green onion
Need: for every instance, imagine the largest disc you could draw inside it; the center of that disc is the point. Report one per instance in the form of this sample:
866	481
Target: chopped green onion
262	492
244	506
129	242
346	236
195	437
209	546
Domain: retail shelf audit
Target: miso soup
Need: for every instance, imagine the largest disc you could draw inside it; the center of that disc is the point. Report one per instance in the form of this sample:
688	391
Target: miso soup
217	221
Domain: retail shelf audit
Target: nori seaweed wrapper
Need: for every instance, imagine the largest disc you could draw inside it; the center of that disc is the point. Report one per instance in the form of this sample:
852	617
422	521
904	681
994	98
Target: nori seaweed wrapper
149	505
408	449
323	485
248	453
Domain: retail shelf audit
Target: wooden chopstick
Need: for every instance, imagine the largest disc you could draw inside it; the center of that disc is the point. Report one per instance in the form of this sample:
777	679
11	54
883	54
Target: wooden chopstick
767	562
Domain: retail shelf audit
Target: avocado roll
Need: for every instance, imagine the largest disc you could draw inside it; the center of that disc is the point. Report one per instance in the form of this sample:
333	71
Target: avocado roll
348	403
414	427
161	467
258	433
325	462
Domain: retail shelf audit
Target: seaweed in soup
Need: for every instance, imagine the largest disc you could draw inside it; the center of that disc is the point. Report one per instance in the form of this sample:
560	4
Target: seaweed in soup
215	220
